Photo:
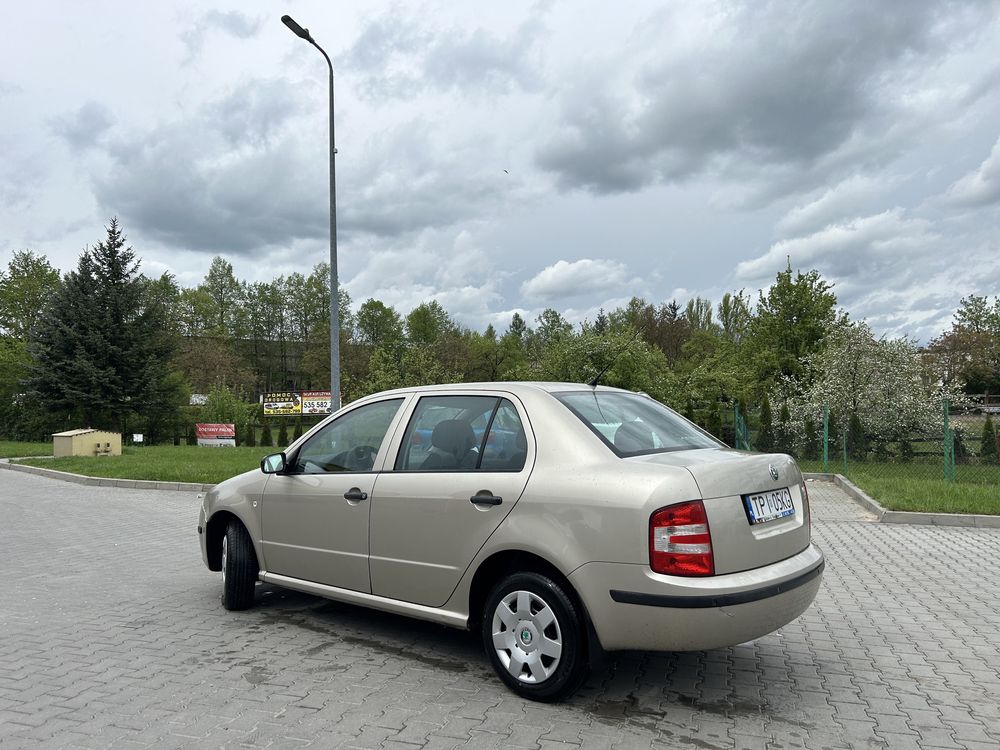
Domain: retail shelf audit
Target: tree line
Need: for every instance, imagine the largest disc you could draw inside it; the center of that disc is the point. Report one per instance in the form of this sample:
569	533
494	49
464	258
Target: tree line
106	346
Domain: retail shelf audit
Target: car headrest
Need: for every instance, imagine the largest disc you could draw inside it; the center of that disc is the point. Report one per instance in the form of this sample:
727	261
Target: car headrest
631	437
453	436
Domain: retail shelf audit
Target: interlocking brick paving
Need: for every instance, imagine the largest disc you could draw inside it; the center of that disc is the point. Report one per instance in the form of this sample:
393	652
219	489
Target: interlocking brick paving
113	636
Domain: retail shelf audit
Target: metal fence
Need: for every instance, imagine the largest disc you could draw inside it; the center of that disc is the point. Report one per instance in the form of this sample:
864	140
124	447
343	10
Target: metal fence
962	448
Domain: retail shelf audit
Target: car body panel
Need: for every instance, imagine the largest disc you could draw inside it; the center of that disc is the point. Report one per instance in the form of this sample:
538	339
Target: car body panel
717	472
582	509
310	531
694	628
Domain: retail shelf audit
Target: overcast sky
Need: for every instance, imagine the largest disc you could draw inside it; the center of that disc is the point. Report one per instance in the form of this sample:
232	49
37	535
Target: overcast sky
517	156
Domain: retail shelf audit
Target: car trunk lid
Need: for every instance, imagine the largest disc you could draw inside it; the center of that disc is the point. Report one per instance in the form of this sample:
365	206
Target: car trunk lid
726	478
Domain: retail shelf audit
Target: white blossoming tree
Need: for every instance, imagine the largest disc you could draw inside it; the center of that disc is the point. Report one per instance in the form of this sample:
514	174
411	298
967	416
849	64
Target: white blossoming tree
877	384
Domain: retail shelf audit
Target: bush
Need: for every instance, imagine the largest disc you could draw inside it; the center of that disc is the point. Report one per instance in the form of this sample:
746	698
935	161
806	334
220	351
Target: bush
298	429
811	442
251	434
857	441
266	439
988	451
765	435
905	450
192	437
783	438
283	434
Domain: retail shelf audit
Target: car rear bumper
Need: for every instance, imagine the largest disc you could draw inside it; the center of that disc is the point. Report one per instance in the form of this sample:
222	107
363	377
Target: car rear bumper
632	607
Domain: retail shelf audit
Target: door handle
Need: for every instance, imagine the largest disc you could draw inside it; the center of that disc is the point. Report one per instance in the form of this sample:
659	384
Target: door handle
485	497
355	494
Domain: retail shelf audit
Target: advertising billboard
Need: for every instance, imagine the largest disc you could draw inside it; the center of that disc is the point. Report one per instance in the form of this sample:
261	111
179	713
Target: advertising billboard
293	403
282	403
216	435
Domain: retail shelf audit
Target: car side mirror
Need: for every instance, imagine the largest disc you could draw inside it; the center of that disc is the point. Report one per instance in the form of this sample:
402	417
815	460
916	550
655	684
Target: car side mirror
273	464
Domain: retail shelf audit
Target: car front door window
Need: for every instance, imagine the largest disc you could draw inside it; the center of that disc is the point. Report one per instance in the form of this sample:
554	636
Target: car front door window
349	443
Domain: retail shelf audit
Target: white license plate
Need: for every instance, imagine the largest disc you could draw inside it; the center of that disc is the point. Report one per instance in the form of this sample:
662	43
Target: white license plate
769	506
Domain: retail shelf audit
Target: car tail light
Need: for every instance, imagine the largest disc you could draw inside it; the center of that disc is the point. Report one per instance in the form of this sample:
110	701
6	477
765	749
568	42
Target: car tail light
680	542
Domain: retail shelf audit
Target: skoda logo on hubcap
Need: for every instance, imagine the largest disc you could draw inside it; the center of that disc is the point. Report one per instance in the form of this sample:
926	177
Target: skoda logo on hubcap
526	636
774	472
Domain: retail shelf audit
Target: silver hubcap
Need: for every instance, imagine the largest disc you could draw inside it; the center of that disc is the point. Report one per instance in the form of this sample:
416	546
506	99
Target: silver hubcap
225	556
527	637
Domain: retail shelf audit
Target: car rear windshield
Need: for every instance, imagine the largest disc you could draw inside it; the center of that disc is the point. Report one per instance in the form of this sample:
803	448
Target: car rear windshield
632	425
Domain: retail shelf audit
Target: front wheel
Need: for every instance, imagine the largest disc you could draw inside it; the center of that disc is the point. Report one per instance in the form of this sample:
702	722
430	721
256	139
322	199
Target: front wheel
239	568
534	635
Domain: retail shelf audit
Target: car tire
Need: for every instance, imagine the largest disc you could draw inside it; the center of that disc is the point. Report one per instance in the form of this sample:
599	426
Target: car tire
534	635
239	568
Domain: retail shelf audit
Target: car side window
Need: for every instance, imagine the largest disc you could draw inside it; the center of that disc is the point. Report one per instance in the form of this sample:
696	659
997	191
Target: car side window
463	433
350	442
506	444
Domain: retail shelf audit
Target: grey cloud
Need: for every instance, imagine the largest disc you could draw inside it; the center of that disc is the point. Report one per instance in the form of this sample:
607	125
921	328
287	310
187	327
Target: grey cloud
568	279
85	127
865	246
902	272
195	184
448	266
256	110
772	84
236	178
981	187
851	197
415	176
397	57
233	23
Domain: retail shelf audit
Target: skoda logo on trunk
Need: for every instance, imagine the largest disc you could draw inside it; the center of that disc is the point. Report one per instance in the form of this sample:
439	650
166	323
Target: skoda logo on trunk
774	472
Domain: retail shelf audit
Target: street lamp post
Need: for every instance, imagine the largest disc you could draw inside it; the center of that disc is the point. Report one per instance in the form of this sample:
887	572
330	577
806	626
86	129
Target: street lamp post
334	287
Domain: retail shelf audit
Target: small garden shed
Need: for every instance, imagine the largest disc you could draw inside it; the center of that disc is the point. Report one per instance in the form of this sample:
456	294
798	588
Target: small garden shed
86	442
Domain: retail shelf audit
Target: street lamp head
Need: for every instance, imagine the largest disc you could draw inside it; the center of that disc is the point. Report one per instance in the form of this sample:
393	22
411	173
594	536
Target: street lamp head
296	29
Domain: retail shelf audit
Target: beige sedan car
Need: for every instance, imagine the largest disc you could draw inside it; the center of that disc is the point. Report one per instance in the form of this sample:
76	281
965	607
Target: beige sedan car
559	520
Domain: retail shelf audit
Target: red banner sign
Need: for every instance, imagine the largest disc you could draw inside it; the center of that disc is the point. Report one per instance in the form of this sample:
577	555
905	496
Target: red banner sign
215	431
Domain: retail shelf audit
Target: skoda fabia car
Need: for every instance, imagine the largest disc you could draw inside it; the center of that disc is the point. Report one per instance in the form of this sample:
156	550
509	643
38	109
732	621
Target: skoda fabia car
557	520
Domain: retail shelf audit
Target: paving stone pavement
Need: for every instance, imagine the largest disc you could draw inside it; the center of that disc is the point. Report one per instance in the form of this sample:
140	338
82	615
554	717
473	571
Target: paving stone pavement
111	635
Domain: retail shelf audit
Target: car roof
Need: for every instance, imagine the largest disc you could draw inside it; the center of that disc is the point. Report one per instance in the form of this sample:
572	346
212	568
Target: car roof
512	386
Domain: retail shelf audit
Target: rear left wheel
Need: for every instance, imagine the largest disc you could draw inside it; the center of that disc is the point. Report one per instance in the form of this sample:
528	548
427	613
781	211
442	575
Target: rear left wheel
239	568
534	635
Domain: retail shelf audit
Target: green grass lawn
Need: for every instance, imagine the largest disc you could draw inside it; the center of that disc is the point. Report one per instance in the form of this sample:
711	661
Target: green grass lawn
909	486
11	449
166	463
922	487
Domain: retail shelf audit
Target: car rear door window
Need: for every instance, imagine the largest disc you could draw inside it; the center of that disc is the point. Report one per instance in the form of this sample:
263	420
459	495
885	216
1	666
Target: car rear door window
463	433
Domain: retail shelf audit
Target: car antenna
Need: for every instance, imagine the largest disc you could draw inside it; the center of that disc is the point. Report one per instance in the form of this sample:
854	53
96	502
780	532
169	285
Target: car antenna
593	383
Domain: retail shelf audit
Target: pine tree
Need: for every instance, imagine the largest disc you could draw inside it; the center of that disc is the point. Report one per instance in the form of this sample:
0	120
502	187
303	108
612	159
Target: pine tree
988	451
101	346
298	429
283	434
265	435
251	434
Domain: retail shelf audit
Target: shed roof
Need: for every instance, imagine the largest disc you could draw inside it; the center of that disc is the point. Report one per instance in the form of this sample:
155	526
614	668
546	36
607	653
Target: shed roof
73	433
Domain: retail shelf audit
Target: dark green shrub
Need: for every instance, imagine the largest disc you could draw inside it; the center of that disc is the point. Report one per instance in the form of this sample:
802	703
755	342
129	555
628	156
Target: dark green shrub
765	435
283	434
988	449
810	447
857	441
265	436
